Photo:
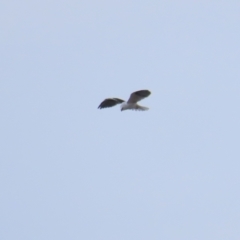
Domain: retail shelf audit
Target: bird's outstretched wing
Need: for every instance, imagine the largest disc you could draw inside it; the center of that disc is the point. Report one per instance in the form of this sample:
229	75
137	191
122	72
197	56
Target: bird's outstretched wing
138	95
110	102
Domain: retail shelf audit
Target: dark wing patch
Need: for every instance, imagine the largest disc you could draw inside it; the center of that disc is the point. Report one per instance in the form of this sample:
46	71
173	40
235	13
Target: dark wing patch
110	102
138	95
142	93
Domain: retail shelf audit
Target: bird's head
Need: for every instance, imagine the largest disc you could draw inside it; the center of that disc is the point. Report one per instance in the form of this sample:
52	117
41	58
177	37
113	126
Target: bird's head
123	106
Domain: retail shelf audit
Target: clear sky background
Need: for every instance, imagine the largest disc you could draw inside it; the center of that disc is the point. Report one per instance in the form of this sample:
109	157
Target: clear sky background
71	171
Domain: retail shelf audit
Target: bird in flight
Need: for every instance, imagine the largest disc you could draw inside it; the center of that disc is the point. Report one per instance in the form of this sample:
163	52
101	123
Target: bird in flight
130	104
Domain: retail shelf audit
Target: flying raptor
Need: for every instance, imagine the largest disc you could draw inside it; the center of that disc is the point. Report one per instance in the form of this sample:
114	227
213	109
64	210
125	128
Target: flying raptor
130	104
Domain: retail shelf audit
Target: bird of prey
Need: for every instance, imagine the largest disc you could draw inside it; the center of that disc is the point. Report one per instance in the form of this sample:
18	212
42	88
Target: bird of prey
130	104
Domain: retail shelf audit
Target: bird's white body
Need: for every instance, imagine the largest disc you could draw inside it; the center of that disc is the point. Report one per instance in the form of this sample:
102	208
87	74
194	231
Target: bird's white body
132	106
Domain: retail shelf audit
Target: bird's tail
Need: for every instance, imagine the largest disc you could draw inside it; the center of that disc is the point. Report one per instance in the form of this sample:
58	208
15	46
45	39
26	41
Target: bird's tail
141	108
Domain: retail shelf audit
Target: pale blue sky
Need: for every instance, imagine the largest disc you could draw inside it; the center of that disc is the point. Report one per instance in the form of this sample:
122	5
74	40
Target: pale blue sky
71	171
